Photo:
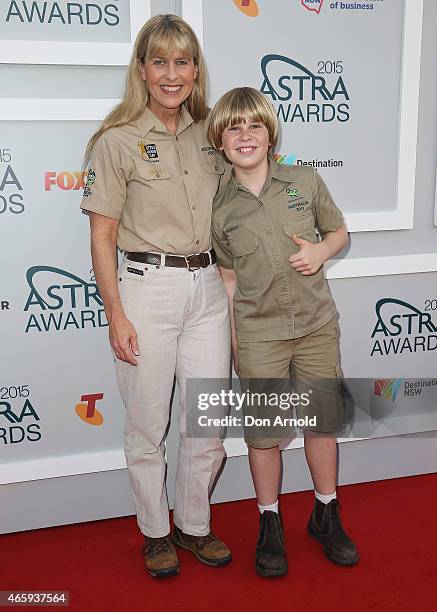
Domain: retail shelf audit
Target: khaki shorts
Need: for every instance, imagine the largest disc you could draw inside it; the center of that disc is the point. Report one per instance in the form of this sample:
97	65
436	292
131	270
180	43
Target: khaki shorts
309	365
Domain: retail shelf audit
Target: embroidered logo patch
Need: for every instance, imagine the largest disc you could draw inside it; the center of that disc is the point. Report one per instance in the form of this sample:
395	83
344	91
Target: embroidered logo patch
231	229
293	193
299	205
91	178
208	150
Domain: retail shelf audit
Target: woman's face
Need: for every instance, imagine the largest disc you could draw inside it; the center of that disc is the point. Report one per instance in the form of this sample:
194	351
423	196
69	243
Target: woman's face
169	81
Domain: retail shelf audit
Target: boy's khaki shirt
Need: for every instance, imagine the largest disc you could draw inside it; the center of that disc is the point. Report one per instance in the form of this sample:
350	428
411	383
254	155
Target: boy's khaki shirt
253	234
159	185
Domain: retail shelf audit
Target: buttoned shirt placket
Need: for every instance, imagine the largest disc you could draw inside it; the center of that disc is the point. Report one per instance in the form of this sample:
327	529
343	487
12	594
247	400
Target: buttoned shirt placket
283	292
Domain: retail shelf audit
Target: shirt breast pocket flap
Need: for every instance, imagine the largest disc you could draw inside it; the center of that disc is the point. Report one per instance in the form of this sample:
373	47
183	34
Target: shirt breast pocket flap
303	228
245	245
159	183
250	265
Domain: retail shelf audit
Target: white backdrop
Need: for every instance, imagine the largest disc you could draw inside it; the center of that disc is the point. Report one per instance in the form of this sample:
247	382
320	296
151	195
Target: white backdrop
60	412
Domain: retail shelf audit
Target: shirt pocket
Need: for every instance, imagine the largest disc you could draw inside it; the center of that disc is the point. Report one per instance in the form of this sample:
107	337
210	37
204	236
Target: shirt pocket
211	170
303	228
158	182
213	165
134	272
249	262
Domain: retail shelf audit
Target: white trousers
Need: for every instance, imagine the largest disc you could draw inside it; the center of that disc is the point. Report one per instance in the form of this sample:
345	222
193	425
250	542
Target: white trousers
182	322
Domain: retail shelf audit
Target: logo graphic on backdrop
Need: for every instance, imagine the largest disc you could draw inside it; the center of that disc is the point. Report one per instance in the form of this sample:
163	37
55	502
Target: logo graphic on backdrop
61	301
87	410
288	160
402	328
388	387
312	5
299	95
391	388
19	420
66	181
11	188
5	305
292	159
248	7
316	5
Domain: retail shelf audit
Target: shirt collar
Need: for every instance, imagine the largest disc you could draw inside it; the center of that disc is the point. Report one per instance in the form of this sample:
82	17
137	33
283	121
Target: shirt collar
277	171
281	172
148	121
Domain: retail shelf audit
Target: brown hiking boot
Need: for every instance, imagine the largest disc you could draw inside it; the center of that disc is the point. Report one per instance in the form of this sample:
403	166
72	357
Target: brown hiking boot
160	557
208	549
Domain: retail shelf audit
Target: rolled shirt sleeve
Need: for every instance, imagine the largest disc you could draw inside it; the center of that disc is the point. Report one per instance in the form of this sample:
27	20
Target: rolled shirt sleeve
328	216
105	188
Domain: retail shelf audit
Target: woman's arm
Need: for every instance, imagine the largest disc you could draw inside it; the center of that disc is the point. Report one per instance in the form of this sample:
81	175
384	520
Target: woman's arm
230	282
122	334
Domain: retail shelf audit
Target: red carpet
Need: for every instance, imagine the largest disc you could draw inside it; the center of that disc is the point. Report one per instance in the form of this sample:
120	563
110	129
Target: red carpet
392	522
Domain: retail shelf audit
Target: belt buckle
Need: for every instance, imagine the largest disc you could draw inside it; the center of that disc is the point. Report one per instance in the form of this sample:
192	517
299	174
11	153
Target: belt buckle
190	269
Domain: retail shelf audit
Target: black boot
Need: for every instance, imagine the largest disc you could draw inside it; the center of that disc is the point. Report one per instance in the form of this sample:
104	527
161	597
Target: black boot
325	526
271	559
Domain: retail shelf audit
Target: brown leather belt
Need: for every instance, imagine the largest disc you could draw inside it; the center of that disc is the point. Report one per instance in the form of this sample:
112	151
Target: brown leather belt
192	262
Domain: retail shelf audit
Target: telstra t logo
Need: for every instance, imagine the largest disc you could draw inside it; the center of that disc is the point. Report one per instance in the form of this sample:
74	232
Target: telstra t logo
87	410
248	7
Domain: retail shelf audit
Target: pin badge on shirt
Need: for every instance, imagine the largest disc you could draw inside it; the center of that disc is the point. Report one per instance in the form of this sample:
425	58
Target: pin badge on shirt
149	152
155	172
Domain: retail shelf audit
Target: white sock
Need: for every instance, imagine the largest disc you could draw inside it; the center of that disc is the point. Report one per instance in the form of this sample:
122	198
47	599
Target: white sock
325	499
273	507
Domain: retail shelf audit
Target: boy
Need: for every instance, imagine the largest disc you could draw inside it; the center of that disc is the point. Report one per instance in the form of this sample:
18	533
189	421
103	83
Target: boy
283	316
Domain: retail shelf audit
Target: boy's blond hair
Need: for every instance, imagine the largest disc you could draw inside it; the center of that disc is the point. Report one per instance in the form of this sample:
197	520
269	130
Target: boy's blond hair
237	106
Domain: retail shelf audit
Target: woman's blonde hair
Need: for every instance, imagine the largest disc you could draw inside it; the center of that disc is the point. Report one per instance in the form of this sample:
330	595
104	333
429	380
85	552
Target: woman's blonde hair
161	36
237	106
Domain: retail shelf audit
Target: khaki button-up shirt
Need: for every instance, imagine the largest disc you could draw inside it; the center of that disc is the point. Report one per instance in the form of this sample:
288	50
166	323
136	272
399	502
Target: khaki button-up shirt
253	235
158	184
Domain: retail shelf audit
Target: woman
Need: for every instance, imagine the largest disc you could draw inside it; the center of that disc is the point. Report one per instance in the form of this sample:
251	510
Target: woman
149	191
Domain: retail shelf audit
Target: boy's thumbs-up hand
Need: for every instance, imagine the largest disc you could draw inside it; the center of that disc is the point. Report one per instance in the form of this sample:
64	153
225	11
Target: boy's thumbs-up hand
300	241
310	258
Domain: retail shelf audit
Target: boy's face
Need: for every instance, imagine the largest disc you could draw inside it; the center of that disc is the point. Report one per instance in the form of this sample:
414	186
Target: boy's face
246	144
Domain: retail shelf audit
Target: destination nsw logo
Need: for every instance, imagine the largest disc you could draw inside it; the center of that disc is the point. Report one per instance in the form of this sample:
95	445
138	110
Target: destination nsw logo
59	301
299	95
388	387
402	328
